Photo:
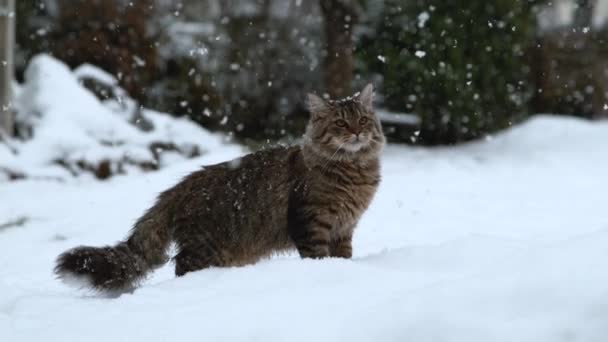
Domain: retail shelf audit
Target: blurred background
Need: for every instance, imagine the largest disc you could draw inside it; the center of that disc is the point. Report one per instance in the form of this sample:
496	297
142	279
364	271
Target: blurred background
445	71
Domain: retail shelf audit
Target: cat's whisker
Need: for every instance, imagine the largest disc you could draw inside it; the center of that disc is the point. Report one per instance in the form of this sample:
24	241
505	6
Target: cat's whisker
325	167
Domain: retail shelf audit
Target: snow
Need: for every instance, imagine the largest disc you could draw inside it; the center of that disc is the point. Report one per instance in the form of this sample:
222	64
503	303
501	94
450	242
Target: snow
90	71
423	18
498	240
398	118
70	124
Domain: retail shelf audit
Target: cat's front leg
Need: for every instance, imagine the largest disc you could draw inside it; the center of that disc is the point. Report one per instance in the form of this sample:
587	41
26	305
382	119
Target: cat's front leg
341	247
313	240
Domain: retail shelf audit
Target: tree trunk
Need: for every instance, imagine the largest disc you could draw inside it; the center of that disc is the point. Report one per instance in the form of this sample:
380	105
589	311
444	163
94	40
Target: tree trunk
7	42
583	16
339	17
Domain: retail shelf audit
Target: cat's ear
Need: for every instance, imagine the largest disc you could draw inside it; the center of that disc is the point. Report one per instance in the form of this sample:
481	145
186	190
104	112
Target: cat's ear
367	96
315	105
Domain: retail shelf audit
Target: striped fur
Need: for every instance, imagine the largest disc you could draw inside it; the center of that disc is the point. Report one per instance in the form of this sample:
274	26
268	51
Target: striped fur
309	197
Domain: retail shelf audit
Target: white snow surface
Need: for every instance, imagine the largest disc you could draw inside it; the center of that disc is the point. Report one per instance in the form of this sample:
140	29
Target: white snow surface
69	123
499	240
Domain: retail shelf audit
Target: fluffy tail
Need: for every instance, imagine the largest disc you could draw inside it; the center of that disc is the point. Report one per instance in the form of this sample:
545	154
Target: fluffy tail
121	267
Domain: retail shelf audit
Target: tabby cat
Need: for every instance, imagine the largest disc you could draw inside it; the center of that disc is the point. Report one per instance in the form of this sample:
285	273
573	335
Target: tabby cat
308	196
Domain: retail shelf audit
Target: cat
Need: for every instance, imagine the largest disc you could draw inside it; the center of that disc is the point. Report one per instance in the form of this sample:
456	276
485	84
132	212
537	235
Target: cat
309	196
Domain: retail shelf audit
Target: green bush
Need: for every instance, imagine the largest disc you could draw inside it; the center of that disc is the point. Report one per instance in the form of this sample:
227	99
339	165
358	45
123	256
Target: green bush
460	65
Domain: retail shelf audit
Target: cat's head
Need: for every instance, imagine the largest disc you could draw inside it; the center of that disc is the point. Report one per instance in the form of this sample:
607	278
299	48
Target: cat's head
344	129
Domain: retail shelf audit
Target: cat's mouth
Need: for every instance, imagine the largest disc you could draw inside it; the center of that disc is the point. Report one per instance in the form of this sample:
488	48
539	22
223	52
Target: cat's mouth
355	143
353	147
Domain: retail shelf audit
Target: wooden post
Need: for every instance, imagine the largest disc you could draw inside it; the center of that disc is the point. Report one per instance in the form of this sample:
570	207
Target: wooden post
7	66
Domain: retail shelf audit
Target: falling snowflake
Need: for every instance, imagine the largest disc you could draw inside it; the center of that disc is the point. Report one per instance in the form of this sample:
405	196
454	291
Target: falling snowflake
423	18
139	61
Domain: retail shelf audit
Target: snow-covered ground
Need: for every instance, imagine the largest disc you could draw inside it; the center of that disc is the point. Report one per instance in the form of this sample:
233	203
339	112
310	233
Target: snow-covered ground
500	240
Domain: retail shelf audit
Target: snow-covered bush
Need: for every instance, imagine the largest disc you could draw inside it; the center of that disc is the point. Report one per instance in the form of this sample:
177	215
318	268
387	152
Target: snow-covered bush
65	130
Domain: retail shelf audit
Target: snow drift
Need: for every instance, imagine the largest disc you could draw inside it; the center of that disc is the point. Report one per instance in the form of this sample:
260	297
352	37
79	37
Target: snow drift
499	240
65	130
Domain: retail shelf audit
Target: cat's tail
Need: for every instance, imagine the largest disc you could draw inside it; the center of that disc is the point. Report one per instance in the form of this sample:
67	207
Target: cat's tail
119	268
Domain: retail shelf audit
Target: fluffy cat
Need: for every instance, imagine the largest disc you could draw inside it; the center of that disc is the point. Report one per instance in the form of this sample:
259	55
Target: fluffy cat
309	196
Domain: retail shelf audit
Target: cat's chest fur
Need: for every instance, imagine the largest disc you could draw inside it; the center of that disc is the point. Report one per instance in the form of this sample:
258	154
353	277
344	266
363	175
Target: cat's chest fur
344	193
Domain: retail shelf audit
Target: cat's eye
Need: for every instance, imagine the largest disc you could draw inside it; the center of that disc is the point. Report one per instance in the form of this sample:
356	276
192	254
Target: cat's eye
363	121
340	123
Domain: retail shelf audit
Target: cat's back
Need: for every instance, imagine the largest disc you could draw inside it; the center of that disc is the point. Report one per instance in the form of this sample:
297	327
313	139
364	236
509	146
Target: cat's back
258	179
266	166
